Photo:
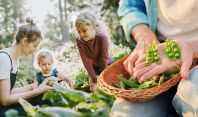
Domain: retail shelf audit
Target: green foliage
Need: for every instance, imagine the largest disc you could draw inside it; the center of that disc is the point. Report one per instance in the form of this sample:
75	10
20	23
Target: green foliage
119	56
120	38
29	109
6	40
11	13
96	104
26	74
56	99
72	96
59	112
82	81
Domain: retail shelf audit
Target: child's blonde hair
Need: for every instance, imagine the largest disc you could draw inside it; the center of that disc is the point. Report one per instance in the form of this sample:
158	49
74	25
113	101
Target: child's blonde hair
90	20
43	55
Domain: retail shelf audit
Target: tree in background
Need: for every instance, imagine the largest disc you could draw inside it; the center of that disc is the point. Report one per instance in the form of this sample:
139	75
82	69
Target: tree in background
11	14
109	13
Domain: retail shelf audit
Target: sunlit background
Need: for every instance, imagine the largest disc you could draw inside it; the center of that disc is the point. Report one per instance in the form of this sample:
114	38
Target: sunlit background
55	18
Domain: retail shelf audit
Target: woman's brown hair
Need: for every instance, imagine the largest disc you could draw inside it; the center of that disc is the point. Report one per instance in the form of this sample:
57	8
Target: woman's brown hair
29	31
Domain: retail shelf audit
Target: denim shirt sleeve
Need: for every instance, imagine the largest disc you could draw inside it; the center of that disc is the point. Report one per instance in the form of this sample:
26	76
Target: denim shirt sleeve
131	13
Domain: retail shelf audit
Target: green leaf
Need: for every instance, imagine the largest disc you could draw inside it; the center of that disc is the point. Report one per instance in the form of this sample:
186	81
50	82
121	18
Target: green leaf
55	98
72	95
29	109
59	112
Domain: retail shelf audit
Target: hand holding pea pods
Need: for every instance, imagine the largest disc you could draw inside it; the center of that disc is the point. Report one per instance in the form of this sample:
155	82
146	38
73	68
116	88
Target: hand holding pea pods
144	72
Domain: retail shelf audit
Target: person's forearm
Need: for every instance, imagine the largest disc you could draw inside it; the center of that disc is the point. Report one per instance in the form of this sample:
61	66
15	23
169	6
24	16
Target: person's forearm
25	88
103	65
12	99
140	33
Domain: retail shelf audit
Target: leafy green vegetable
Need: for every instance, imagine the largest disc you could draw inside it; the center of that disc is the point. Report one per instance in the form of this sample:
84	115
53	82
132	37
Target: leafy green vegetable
119	56
129	83
82	81
29	109
74	96
59	112
55	98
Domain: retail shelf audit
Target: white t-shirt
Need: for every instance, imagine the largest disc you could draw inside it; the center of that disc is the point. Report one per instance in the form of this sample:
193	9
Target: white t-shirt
5	64
177	19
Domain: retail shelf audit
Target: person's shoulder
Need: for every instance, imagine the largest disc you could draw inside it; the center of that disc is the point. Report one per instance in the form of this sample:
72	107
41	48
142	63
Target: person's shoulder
102	36
4	57
78	41
55	70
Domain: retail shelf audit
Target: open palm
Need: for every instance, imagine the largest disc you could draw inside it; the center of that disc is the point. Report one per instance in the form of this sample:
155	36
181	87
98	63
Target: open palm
143	72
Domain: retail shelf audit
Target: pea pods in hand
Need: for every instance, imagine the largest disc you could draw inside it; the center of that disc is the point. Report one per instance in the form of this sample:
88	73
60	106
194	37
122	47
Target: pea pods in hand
172	50
152	54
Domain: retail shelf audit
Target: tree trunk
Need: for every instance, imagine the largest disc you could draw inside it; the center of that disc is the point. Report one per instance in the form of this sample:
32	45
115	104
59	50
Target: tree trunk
64	29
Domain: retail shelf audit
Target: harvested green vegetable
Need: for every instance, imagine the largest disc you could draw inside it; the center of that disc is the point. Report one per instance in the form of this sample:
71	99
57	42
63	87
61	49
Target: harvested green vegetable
152	54
172	50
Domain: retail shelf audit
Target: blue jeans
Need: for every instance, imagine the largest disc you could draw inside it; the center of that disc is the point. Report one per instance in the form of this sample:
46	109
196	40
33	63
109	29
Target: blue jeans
158	107
185	101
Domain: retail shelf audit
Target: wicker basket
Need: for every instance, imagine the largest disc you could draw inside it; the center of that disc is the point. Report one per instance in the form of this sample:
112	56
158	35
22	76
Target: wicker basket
108	77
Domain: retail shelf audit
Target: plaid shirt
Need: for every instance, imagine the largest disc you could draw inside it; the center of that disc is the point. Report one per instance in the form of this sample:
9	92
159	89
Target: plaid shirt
133	12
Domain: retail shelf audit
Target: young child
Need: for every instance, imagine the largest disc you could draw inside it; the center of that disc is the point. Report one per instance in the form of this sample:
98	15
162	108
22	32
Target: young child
93	44
47	72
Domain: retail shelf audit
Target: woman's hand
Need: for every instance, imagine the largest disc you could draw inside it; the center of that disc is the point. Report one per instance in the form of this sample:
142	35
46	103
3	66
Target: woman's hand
42	88
143	36
144	72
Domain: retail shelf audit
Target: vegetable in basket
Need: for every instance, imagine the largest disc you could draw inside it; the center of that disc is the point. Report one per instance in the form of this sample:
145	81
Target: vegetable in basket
172	51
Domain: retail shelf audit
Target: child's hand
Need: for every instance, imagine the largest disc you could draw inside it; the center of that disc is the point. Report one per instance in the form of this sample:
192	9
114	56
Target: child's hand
93	86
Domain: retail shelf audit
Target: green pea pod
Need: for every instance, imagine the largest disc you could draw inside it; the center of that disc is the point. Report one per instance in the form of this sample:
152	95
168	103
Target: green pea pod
148	84
161	80
116	85
128	83
133	84
122	85
134	79
133	88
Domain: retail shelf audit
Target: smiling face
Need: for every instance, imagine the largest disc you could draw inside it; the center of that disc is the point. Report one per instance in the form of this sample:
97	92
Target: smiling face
85	31
46	65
